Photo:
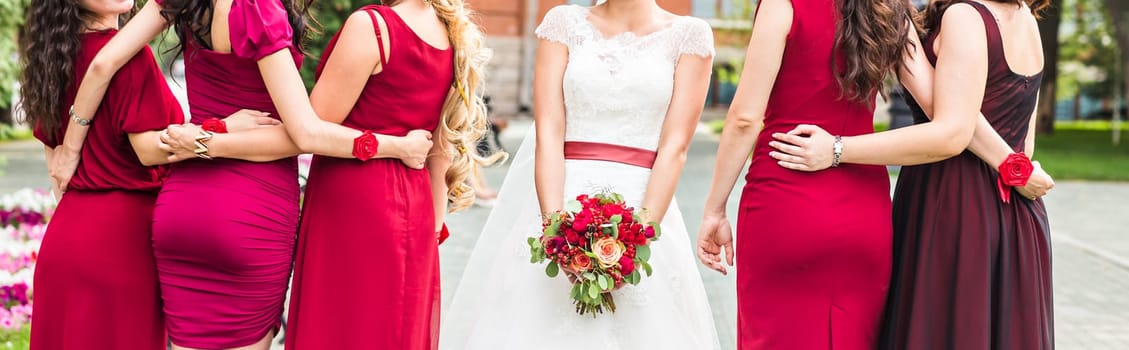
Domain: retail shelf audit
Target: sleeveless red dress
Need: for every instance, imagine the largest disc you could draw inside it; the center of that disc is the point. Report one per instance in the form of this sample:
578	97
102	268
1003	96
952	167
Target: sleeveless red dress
366	274
95	279
970	271
813	249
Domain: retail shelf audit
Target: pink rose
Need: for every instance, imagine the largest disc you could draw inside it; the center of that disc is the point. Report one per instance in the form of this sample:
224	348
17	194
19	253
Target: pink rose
581	263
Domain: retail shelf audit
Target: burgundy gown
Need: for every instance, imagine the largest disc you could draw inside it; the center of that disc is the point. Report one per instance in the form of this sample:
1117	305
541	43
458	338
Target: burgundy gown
813	249
224	229
367	269
972	272
95	280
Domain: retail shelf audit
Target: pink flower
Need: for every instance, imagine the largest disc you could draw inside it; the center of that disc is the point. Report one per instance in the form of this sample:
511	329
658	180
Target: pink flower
608	251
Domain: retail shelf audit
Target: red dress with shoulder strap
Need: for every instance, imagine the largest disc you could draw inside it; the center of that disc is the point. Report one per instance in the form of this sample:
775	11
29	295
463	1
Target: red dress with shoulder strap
367	268
813	249
970	271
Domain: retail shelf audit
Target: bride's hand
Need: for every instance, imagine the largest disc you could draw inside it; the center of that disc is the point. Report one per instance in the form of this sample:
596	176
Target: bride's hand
715	234
805	148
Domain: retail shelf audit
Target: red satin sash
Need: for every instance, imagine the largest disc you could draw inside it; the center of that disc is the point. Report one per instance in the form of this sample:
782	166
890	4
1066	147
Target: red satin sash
609	153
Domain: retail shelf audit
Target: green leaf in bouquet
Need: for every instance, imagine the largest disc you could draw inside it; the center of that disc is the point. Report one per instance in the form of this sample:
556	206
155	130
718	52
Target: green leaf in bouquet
616	197
643	252
616	219
593	291
552	230
658	229
573	206
647	268
603	282
533	258
589	276
552	270
633	278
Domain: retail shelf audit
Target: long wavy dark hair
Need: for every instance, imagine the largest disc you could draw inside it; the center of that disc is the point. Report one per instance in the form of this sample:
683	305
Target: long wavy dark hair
193	21
931	17
49	42
873	38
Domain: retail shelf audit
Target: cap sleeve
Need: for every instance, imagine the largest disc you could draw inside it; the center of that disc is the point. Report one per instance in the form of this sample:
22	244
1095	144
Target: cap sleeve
698	39
259	28
140	99
557	24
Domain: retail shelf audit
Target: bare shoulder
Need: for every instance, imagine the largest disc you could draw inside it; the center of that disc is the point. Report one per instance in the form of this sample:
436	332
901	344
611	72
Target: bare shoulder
964	20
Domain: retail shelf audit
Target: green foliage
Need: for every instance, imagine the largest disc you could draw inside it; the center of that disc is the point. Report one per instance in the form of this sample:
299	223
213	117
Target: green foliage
11	133
11	18
1088	53
332	15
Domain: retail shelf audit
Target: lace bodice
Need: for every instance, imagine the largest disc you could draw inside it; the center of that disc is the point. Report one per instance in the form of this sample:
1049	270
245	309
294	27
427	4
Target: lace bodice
617	89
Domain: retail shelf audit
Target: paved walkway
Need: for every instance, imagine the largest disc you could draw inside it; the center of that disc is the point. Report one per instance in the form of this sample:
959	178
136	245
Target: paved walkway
1090	222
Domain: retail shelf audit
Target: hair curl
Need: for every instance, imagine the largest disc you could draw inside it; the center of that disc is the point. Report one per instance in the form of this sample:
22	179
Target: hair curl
931	17
873	38
464	118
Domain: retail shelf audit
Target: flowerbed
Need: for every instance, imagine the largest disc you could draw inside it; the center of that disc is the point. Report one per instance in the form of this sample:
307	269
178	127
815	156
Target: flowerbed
23	220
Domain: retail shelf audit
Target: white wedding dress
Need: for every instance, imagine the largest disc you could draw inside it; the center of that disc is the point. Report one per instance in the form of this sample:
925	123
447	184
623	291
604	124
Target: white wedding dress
616	91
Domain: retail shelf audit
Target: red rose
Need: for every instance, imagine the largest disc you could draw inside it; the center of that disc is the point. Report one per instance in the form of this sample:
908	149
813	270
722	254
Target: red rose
1014	171
649	232
581	263
626	265
572	237
612	210
214	125
365	146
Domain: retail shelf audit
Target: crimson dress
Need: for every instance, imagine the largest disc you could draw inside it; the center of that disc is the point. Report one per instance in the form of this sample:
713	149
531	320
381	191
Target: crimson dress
95	280
224	229
972	272
367	269
813	249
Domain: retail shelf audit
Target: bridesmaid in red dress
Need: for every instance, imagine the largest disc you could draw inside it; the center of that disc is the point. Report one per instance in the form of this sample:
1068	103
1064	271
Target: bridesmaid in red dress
95	280
225	224
367	268
815	248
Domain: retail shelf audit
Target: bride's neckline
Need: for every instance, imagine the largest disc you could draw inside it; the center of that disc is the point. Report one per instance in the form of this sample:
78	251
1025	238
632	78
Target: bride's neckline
586	13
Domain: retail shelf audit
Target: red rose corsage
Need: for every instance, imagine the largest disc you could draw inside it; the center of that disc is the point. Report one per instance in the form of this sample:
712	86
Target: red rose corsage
1014	171
444	234
214	125
365	146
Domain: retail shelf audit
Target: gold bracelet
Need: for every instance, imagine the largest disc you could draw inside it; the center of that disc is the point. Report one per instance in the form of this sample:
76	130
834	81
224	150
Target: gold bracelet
201	148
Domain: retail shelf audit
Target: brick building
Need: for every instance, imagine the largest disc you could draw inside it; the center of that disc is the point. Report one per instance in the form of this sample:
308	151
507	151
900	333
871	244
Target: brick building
509	26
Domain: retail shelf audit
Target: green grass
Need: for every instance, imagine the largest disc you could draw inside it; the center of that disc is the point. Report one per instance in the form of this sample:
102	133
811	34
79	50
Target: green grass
1083	152
15	339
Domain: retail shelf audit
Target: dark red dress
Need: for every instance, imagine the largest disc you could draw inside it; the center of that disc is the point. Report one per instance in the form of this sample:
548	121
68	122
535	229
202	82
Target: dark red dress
95	280
366	274
813	249
972	272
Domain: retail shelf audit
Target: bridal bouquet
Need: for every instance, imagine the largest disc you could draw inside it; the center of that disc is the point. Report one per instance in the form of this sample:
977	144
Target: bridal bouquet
600	243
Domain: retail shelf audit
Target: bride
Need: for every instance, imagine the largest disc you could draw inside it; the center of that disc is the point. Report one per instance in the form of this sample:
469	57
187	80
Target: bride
618	90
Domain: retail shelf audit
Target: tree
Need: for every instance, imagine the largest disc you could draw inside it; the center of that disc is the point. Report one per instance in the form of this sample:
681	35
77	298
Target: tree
332	15
11	18
1048	30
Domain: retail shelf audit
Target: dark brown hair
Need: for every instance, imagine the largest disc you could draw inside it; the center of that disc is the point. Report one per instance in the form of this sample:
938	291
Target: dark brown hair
931	18
49	41
873	38
193	21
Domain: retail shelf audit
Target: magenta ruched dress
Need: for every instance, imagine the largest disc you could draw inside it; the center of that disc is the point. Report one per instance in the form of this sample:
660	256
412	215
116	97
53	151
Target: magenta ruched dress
224	230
